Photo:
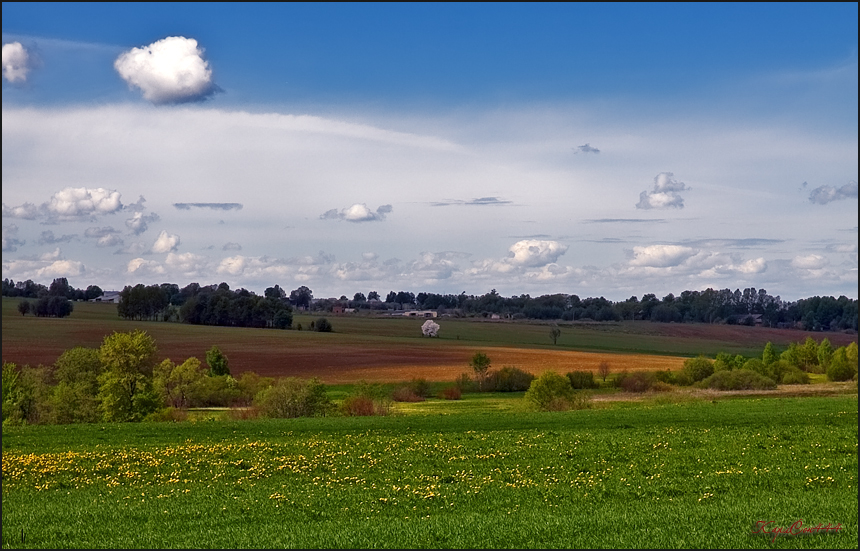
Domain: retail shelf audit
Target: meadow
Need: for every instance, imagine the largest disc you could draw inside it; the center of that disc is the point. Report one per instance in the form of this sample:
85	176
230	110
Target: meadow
696	474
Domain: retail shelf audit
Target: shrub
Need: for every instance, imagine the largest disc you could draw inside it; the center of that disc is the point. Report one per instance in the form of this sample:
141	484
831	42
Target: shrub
465	383
660	386
552	392
294	397
699	368
509	379
582	379
322	326
739	379
420	387
840	368
637	381
405	394
451	393
366	399
679	378
795	376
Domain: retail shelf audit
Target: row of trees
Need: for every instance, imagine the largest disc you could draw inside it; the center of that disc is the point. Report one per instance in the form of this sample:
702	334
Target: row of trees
218	305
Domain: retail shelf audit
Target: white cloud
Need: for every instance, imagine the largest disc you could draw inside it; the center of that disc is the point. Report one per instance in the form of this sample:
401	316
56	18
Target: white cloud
27	211
16	62
357	213
187	264
809	262
826	194
165	243
661	256
665	193
143	268
76	202
138	223
171	70
534	253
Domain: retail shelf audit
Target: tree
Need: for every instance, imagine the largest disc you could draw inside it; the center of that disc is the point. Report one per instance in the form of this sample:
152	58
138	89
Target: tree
301	297
603	370
698	368
125	388
551	392
74	399
769	355
359	297
373	295
322	326
293	397
24	307
175	383
430	328
554	333
275	292
480	364
217	362
825	352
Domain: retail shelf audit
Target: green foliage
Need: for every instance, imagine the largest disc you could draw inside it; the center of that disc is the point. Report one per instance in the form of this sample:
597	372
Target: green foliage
795	376
74	399
582	380
480	364
322	326
509	379
808	356
825	352
24	307
552	392
293	397
217	362
126	391
699	368
841	368
175	383
283	319
769	355
739	379
215	391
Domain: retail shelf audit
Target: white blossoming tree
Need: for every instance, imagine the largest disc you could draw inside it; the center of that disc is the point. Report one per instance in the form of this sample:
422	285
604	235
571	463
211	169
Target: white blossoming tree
430	328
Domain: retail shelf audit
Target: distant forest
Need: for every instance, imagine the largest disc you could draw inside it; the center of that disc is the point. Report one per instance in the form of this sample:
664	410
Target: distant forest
219	305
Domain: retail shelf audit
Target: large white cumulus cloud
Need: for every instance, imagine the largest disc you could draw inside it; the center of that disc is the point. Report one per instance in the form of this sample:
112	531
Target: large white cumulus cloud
16	62
171	70
73	202
533	252
665	193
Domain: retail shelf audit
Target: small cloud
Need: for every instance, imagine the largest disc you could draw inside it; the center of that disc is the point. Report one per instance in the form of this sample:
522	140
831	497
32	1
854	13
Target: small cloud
171	70
141	267
27	211
826	194
140	223
369	257
48	238
357	213
586	149
665	193
137	206
661	256
10	238
17	62
213	206
165	243
231	247
809	262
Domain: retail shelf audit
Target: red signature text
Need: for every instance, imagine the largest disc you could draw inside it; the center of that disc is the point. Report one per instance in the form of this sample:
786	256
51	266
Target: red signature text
796	529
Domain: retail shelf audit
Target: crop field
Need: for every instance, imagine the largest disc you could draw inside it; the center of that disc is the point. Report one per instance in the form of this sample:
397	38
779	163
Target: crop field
700	474
392	349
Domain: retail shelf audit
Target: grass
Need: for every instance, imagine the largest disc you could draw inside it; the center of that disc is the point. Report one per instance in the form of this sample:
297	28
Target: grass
690	474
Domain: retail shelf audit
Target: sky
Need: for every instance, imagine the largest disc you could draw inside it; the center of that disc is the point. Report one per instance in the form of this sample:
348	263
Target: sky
593	149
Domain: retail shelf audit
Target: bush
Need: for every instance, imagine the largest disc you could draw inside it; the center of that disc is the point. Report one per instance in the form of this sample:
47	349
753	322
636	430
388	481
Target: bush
582	379
322	326
637	381
552	392
294	397
699	368
405	394
465	383
739	379
795	376
366	399
451	393
509	379
841	369
679	378
420	387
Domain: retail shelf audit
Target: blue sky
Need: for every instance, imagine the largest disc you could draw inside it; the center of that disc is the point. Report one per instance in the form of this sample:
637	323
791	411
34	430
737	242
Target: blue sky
596	149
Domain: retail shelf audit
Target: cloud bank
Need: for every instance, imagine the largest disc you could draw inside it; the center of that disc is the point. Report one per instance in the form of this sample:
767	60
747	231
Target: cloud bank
170	70
827	194
213	206
357	213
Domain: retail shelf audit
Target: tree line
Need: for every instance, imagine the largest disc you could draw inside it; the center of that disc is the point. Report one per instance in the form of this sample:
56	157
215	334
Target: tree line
219	305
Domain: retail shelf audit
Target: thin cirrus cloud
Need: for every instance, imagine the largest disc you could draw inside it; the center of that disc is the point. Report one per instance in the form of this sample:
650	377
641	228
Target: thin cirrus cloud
586	149
213	206
827	194
665	193
17	62
480	202
358	212
170	70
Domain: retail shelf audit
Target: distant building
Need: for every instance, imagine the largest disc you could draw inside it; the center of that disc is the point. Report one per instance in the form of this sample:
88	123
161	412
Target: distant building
420	314
108	296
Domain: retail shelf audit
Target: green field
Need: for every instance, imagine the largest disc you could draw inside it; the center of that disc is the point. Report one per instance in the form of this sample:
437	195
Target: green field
696	474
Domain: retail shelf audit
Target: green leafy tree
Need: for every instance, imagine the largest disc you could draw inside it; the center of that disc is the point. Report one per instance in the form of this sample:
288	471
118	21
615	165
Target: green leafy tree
293	397
323	326
769	355
699	368
840	368
480	364
126	391
24	307
551	392
175	383
75	398
217	362
825	352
